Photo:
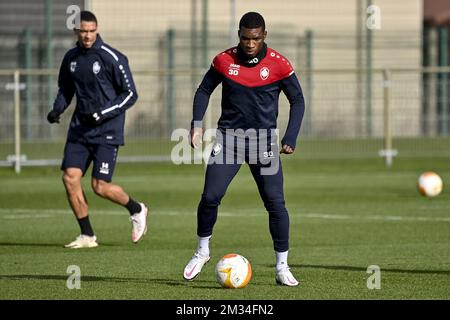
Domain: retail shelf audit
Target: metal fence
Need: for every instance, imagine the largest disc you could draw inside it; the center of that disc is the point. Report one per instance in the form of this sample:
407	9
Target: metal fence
408	115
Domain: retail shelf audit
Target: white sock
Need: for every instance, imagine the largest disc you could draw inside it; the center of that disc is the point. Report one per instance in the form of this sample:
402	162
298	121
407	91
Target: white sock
281	260
203	246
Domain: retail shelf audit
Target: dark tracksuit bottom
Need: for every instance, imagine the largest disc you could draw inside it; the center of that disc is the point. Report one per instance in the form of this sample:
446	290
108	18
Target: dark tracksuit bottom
224	163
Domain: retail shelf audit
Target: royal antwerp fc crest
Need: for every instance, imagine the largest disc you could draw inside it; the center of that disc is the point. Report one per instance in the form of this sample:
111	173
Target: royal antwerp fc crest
96	67
264	73
73	66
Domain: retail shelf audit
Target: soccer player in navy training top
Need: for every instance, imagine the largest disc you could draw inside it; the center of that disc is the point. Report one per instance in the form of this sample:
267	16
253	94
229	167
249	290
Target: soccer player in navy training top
252	77
100	78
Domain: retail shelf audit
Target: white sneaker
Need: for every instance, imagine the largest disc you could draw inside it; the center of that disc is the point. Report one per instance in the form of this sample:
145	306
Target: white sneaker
139	223
83	241
194	266
284	277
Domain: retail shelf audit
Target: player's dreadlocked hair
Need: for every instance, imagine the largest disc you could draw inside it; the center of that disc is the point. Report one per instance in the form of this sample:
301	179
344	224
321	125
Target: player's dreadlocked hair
252	20
88	16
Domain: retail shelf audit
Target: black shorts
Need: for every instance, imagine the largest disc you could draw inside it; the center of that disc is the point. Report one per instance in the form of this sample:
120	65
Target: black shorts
80	155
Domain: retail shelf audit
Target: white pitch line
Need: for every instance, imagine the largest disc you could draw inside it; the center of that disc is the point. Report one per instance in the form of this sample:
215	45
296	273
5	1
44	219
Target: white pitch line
327	216
18	213
374	217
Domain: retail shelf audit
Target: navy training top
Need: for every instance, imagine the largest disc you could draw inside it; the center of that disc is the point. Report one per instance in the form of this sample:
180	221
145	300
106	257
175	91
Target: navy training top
250	93
102	81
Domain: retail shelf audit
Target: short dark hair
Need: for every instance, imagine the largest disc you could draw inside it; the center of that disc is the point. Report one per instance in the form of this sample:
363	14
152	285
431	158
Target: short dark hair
88	16
252	20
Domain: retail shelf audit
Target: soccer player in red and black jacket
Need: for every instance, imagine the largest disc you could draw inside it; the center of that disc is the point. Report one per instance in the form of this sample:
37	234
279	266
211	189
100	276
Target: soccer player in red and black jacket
252	76
101	79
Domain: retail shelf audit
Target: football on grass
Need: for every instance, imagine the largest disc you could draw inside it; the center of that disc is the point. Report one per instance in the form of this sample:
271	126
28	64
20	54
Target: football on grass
430	184
233	271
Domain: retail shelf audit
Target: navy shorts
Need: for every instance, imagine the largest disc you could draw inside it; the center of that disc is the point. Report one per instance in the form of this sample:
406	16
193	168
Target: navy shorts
80	155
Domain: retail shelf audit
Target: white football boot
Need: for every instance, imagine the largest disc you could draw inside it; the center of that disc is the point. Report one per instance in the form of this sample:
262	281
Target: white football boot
83	241
194	266
139	223
284	277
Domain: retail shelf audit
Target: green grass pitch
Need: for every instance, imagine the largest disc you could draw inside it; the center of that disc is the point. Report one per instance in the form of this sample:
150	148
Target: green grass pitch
345	216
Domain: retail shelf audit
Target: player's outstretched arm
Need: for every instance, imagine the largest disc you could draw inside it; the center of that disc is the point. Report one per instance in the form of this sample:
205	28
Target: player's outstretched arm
293	91
65	93
210	81
201	100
